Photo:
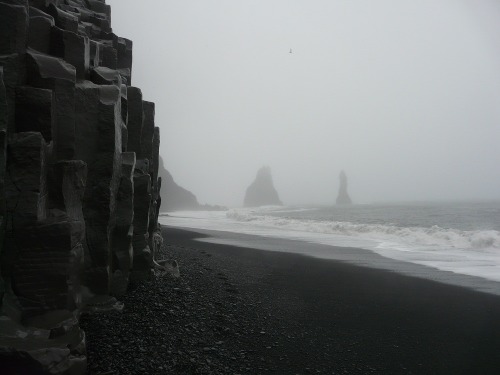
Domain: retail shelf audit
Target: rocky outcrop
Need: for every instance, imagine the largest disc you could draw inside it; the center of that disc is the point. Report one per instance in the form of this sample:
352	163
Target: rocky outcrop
262	192
175	197
343	197
79	186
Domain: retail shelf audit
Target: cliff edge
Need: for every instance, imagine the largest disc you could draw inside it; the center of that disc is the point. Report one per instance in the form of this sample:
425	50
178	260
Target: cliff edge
175	196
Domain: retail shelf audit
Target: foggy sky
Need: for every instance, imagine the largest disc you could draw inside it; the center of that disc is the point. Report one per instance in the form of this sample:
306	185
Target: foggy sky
402	95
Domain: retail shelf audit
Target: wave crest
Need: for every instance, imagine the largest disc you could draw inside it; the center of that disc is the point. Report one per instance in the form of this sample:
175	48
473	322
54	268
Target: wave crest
408	236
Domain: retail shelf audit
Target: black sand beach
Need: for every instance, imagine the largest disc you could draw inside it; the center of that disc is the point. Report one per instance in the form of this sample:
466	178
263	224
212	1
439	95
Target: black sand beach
241	310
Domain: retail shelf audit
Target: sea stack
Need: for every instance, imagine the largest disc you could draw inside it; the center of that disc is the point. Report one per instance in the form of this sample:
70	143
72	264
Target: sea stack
343	197
262	192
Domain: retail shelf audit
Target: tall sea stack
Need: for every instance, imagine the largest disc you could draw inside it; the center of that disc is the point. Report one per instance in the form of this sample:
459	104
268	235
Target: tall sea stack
79	187
343	197
262	192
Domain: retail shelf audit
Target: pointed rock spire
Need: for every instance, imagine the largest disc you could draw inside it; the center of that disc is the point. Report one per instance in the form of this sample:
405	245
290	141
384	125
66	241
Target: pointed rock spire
343	197
262	192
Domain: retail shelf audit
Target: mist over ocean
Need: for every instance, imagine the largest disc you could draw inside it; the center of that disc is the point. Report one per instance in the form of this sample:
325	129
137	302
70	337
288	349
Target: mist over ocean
462	237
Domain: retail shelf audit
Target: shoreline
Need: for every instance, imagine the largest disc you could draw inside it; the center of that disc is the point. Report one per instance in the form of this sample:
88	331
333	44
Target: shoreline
351	255
240	310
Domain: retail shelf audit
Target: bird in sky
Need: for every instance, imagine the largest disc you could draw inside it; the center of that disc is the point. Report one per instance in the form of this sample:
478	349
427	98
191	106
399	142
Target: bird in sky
290	50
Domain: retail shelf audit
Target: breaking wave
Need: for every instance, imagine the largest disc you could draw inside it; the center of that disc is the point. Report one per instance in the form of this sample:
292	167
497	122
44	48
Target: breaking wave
407	237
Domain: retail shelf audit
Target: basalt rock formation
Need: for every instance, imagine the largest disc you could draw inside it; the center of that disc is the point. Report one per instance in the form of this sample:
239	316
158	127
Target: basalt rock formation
343	197
79	186
176	197
262	192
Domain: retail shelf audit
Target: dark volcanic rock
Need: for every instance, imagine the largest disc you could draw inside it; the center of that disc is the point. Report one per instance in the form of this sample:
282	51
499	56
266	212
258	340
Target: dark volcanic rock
3	102
73	48
174	196
135	119
54	74
142	253
13	28
122	251
43	248
40	30
3	160
26	190
99	124
343	197
14	75
35	111
43	348
79	202
105	76
262	192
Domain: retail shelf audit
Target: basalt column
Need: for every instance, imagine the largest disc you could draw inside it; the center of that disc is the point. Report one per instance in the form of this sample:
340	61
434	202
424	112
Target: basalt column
121	239
155	238
140	117
150	145
79	190
3	160
99	129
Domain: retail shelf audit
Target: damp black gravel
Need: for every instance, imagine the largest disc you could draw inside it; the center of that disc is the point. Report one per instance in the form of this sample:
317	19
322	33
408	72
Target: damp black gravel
202	322
245	311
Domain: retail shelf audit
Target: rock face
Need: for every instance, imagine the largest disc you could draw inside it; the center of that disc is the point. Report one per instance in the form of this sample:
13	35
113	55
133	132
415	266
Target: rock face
175	197
343	197
79	186
262	192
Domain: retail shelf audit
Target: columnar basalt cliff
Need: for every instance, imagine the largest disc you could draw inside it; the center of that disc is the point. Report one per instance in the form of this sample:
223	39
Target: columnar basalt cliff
79	186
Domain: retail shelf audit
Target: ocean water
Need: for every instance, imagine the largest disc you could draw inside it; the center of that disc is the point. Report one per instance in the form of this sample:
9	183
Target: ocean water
461	237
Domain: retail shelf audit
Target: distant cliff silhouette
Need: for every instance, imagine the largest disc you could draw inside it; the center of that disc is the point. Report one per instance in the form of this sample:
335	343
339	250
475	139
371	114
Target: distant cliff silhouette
343	197
174	197
262	192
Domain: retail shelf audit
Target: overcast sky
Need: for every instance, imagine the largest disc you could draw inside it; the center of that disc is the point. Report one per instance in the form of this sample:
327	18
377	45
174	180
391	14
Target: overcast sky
404	95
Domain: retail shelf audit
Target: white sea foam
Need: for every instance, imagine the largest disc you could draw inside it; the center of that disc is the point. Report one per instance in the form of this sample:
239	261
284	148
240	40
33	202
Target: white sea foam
404	237
475	253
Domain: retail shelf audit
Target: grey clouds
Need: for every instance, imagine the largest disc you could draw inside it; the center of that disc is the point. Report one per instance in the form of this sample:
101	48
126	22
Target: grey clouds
402	95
